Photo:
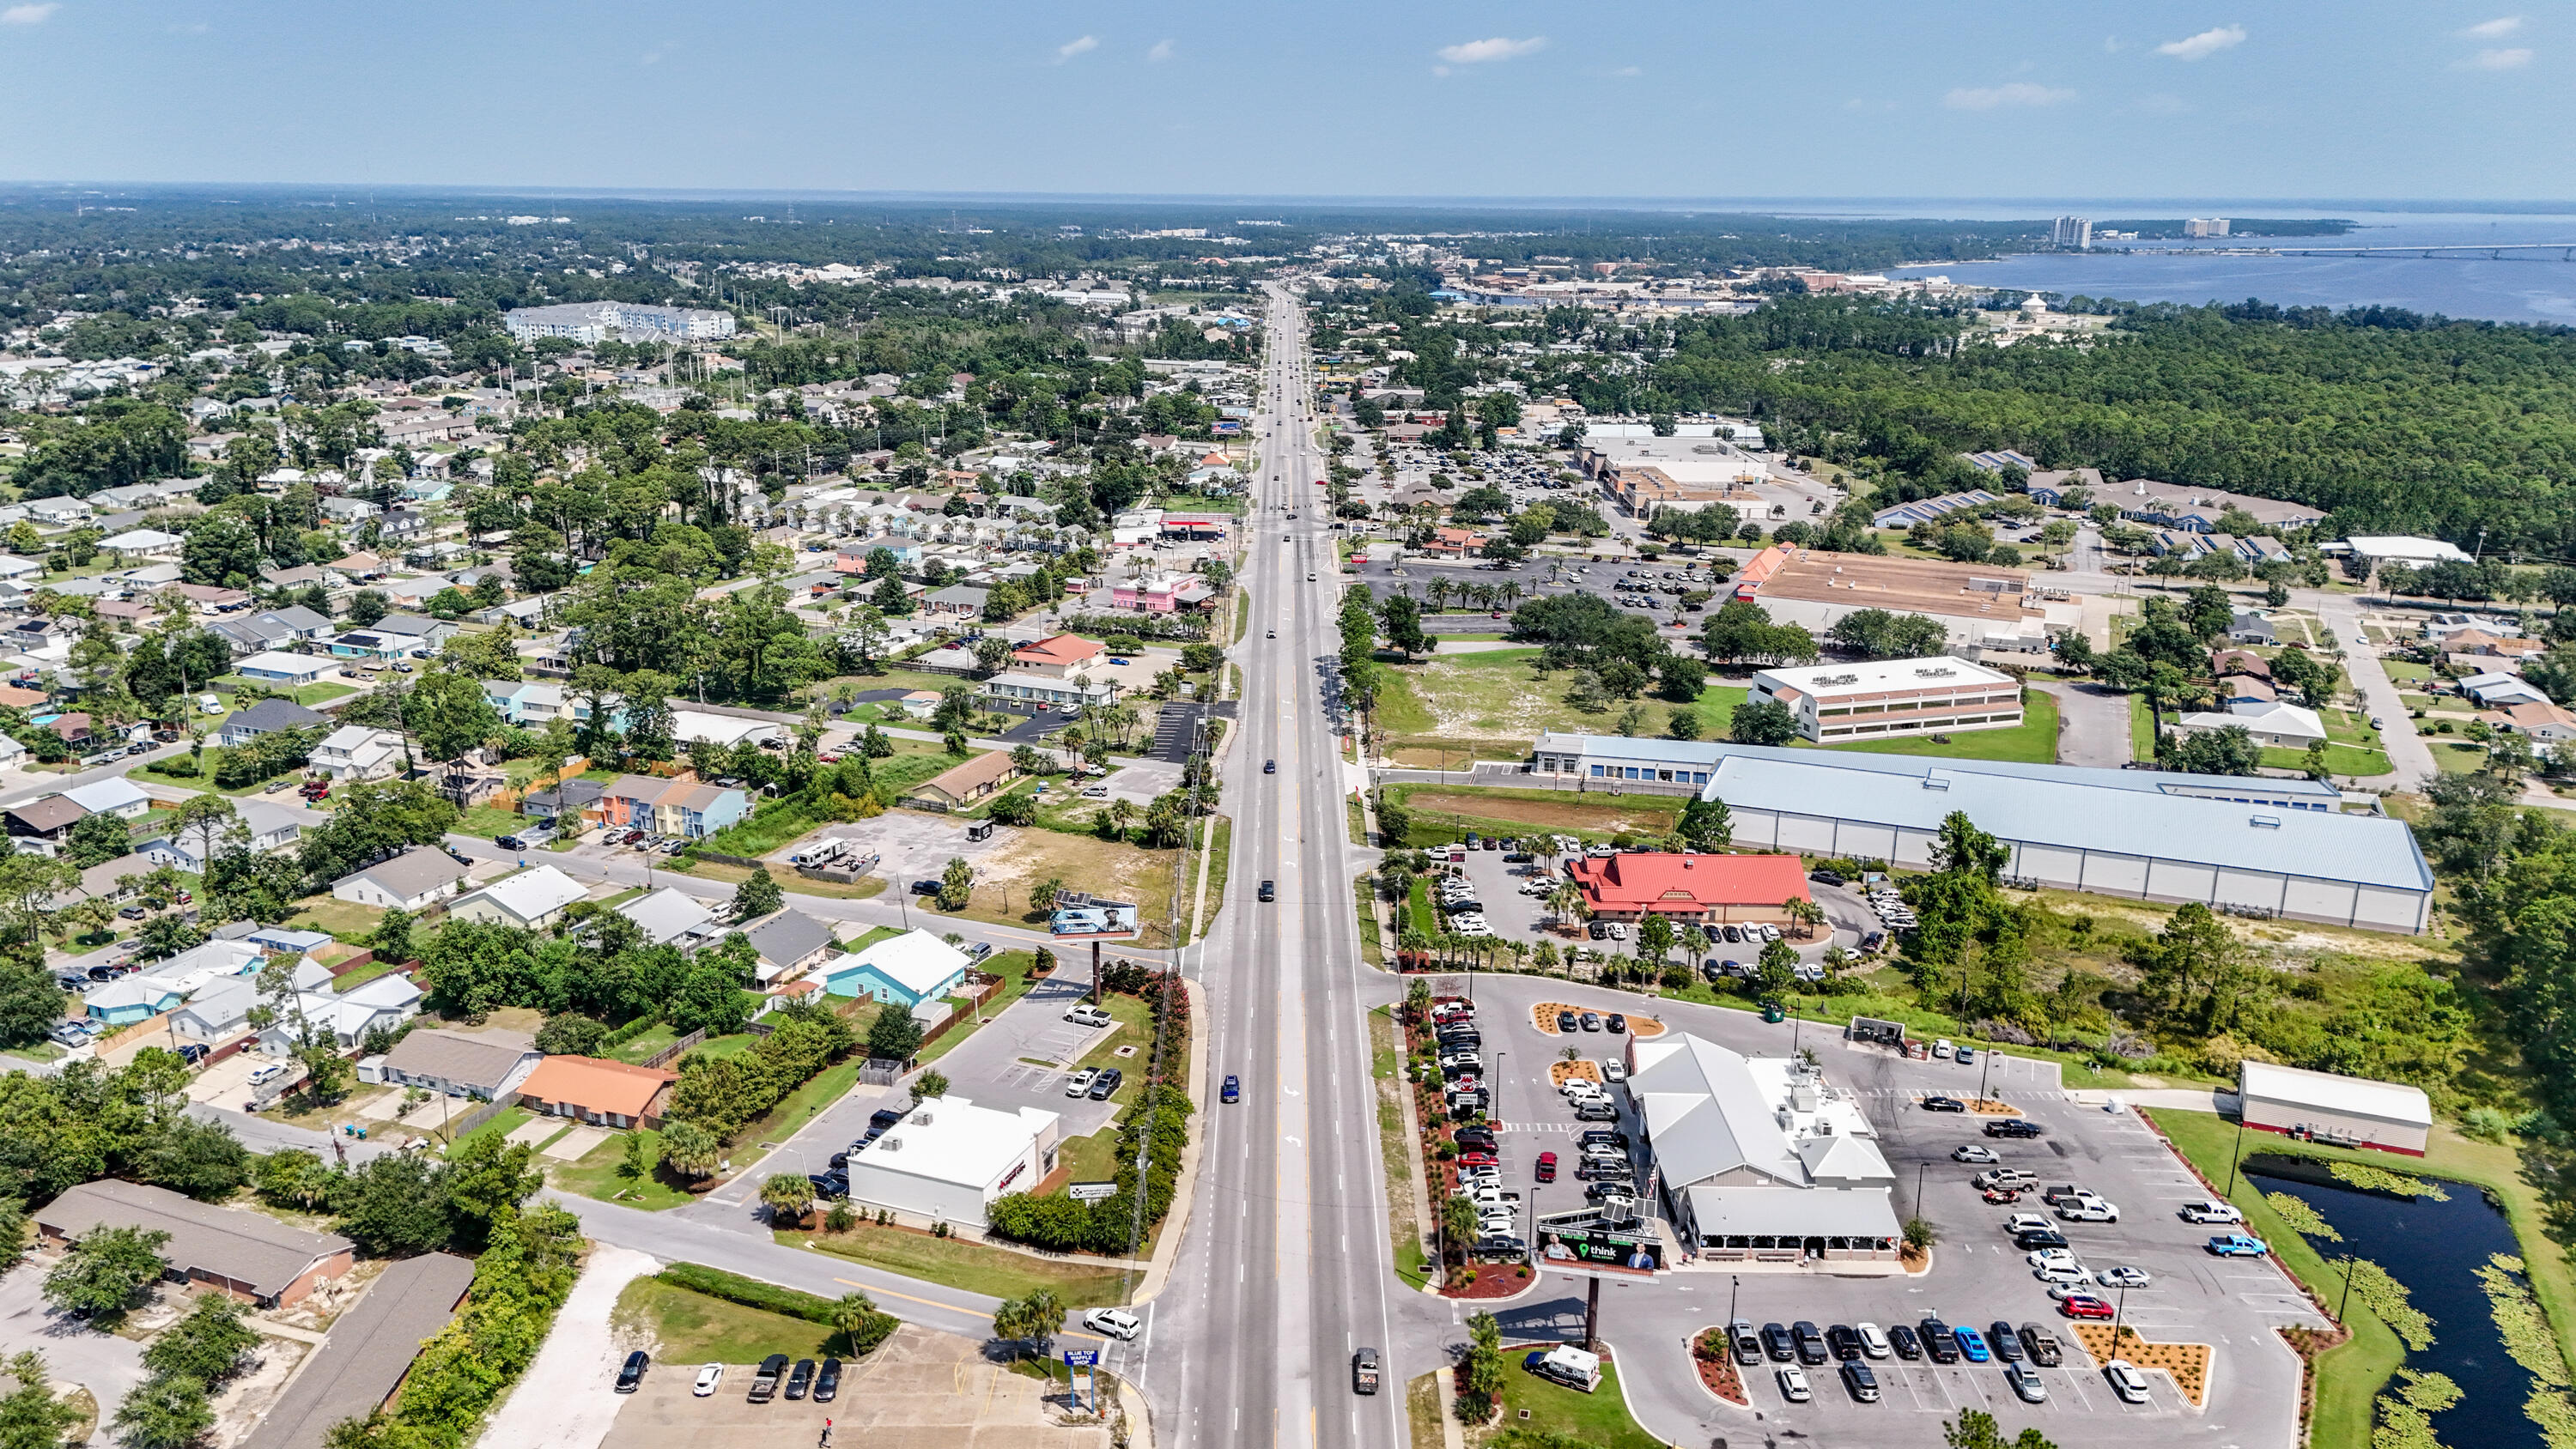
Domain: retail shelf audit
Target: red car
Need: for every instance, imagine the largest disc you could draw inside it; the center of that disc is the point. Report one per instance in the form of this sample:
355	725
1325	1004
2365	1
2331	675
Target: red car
1547	1167
1478	1159
2080	1305
2002	1195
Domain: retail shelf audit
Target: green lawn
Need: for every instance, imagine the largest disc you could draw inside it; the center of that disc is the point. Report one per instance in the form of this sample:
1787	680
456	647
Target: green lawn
692	1328
655	1038
2142	729
1090	1159
874	935
2340	760
1599	1419
2032	742
2349	1377
489	823
973	1267
596	1175
503	1123
308	695
346	920
826	1087
204	779
2455	757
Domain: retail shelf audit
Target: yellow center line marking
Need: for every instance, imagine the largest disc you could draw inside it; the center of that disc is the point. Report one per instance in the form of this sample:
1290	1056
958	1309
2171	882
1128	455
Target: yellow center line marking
908	1298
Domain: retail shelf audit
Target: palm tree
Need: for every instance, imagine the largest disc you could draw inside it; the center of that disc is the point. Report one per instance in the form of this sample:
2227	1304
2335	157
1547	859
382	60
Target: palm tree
1804	914
691	1150
1120	813
1411	941
787	1195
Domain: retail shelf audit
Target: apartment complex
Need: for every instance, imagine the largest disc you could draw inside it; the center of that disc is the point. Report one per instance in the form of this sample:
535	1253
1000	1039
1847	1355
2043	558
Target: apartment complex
1893	697
589	322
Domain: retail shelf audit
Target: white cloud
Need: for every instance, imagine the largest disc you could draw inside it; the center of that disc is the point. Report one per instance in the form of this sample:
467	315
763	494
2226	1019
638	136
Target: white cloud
1072	48
2015	93
2113	45
2205	44
2514	59
1475	52
2496	29
1162	51
29	14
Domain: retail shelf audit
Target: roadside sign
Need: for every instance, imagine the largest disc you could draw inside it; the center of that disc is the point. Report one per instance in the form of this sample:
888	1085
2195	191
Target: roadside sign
1091	1191
1081	1357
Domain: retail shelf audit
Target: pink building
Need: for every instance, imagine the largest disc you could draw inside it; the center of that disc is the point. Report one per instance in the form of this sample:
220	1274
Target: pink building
1163	593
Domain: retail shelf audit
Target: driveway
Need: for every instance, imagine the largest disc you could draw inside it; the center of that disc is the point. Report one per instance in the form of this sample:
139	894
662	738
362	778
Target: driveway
2093	725
557	1404
106	1365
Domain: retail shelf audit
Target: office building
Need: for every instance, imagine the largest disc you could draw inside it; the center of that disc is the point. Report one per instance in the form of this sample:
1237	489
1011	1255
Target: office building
1892	697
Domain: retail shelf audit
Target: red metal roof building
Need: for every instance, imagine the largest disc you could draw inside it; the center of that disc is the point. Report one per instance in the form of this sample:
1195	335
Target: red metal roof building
1707	888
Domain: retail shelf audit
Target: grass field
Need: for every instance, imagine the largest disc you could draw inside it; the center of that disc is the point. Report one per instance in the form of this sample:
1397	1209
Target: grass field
974	1267
789	881
1599	1419
346	920
489	823
2350	1376
1444	813
2455	757
596	1175
1107	868
2340	760
2032	742
691	1328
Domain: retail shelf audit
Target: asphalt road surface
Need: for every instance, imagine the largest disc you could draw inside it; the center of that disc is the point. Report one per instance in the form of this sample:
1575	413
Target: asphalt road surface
1283	1272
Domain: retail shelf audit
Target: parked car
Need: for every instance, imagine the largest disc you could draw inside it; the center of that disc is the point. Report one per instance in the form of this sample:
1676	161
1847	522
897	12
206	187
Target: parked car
1860	1382
1778	1343
2042	1346
1944	1104
1083	1013
2026	1383
1793	1385
1842	1341
2084	1306
1939	1344
1079	1082
1810	1342
709	1377
68	1033
631	1377
1901	1338
2211	1211
1973	1153
800	1378
2012	1127
1972	1343
2126	1381
2238	1245
1106	1083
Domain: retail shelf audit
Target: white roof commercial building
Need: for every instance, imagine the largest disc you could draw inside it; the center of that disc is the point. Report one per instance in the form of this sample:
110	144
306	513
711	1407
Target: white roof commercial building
1893	697
2222	840
2327	1107
530	899
1758	1160
594	321
949	1159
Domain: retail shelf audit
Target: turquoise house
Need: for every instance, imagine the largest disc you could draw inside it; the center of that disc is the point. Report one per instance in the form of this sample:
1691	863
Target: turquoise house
904	971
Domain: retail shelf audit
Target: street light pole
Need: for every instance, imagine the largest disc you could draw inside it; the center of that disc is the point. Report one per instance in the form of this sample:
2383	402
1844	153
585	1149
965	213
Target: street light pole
2235	1151
2346	1300
1919	1169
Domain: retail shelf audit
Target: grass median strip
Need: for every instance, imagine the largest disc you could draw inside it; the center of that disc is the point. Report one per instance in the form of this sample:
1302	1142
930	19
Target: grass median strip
1395	1145
968	1266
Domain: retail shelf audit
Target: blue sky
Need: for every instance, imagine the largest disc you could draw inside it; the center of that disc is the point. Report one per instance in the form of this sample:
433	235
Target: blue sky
2211	98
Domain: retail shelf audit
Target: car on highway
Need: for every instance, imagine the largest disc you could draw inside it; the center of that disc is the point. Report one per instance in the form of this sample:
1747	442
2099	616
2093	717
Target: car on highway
1269	891
1930	1104
1232	1091
1973	1153
2211	1211
1270	767
2238	1245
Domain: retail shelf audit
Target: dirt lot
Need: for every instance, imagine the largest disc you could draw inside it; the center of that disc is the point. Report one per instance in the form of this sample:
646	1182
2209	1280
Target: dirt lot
922	1390
1020	859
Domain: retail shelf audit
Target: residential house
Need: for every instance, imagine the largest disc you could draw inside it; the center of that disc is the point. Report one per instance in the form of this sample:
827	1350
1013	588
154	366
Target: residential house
957	601
961	786
142	543
2272	724
564	806
347	1017
357	752
248	1255
789	943
209	599
532	898
677	806
370	1350
274	667
266	717
217	1011
484	1065
114	795
601	1092
532	704
1058	656
273	629
74	730
2545	723
2239	661
852	558
129	999
673	918
2249	627
41	826
344	509
14	568
903	971
414	880
269	828
2499	691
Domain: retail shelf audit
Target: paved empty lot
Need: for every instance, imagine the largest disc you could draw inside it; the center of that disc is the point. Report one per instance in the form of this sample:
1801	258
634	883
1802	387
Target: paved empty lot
921	1390
912	845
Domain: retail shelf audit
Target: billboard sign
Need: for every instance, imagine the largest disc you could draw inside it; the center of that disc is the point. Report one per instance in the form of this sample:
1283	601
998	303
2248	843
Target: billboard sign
1581	1241
1077	914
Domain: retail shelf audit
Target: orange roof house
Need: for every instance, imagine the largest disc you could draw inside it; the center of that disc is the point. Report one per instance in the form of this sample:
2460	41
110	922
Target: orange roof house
1683	888
1059	656
611	1094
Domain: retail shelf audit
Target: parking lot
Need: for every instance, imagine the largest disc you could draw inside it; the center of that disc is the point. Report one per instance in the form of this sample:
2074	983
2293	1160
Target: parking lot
1514	916
1546	576
1976	1275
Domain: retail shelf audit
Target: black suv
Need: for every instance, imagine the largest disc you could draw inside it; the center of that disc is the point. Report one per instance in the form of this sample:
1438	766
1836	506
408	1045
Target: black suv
1106	1083
2006	1343
1939	1341
1843	1340
1777	1342
1269	891
1474	1137
631	1377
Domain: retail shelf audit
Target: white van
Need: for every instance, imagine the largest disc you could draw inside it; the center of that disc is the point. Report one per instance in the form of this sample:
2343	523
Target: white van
1567	1365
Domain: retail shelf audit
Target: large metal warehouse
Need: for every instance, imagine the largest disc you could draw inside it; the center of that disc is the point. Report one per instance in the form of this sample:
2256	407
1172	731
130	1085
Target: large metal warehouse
2330	1107
2273	845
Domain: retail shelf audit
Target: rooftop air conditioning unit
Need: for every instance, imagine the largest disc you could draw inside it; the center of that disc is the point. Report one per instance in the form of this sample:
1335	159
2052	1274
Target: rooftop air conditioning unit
888	1144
